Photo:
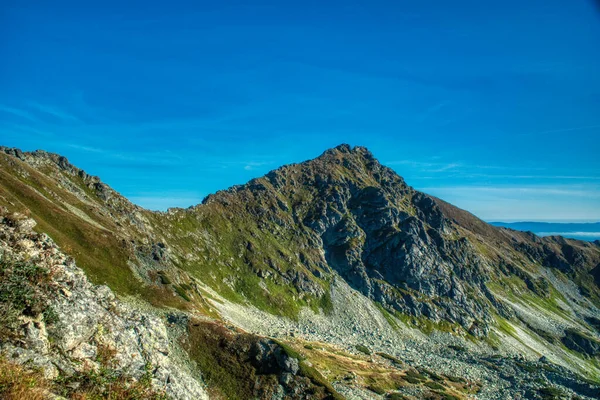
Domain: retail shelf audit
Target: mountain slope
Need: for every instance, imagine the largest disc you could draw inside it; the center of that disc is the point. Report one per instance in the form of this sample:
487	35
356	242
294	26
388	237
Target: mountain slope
301	240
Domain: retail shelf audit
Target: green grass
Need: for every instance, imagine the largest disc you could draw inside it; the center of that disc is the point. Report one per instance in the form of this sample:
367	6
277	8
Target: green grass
455	379
244	249
458	348
97	251
377	389
413	380
416	374
290	351
505	326
446	396
388	317
396	396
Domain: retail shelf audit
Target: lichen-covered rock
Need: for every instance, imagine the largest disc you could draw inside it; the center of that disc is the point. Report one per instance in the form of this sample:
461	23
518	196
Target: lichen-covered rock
90	326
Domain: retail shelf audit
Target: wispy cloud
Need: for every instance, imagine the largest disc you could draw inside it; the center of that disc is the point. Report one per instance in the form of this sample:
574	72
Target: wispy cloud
430	111
540	203
570	129
254	164
442	170
86	148
446	167
18	112
54	111
426	166
572	191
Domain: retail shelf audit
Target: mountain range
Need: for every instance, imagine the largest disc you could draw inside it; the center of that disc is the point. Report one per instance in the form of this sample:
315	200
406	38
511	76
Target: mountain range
589	231
331	278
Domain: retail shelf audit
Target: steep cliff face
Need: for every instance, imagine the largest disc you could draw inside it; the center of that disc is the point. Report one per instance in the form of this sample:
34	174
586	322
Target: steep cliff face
291	241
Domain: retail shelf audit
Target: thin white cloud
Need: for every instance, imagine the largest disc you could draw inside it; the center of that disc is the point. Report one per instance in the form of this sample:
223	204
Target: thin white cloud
86	148
569	233
461	170
446	167
18	112
524	203
54	111
577	191
569	129
254	164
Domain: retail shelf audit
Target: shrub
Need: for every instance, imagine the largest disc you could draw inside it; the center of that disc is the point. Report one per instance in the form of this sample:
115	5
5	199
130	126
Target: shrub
456	379
390	358
457	348
415	374
446	396
412	380
550	393
433	375
181	292
22	286
434	385
377	389
363	349
396	396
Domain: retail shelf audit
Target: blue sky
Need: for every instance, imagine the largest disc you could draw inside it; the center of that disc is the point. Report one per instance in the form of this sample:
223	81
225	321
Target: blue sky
491	105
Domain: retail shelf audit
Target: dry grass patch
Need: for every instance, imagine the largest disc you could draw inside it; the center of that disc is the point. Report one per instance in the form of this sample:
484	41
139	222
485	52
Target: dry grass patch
18	383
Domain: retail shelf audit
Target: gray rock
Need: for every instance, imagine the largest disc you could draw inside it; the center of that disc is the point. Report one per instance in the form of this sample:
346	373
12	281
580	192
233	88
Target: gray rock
89	318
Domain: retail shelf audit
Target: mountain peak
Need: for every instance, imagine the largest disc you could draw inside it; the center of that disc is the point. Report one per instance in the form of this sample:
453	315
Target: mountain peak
346	149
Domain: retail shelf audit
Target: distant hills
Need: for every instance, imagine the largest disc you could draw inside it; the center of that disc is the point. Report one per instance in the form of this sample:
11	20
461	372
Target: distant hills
589	231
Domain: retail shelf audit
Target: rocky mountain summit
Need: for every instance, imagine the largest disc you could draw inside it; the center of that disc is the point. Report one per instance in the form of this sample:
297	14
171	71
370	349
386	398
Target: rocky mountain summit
325	279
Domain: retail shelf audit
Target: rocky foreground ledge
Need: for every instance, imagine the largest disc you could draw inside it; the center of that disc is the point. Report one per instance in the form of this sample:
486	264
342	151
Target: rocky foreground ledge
72	331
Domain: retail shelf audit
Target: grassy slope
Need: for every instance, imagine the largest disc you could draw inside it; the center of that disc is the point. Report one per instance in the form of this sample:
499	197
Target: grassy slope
98	251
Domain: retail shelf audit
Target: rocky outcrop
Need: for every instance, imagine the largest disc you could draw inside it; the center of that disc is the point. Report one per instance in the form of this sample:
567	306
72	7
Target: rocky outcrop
83	326
269	357
582	343
245	366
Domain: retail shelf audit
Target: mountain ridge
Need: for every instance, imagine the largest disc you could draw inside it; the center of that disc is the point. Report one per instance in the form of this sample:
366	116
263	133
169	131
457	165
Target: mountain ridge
285	242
